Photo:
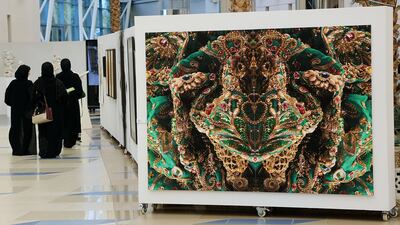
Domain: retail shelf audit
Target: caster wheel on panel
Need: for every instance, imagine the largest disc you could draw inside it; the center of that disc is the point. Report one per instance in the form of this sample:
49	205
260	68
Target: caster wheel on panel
393	213
385	216
262	211
143	209
155	206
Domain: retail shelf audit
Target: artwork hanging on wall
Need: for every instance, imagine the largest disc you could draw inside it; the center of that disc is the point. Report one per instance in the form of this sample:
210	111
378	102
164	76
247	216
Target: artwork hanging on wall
9	64
104	66
56	62
276	110
132	88
111	73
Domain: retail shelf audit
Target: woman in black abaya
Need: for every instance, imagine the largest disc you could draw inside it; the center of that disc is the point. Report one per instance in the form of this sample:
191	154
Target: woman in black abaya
22	135
50	134
73	83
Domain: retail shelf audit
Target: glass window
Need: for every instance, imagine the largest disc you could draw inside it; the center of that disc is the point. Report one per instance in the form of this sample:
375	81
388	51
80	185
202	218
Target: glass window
65	24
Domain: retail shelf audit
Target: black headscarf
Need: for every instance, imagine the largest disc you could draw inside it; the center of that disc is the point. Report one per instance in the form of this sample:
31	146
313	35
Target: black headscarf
66	65
22	72
47	70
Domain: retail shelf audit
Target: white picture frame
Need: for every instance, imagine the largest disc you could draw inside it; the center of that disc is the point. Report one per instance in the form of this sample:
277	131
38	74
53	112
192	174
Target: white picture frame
380	19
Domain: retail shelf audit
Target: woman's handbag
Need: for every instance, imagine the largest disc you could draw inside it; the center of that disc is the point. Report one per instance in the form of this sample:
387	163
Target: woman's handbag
42	117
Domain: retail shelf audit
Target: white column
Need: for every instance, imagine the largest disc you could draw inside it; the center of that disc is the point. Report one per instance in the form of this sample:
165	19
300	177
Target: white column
123	12
41	35
127	14
49	23
88	10
94	19
80	14
43	5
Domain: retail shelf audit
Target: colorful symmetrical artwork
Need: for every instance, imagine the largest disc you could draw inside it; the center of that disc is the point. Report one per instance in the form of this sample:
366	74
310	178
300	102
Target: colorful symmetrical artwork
111	75
277	110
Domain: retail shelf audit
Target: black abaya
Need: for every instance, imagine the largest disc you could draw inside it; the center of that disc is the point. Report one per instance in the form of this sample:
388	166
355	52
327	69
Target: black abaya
50	134
22	135
72	126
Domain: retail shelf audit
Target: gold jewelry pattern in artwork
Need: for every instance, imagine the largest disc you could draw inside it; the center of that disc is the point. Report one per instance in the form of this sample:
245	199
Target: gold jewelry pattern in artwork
261	110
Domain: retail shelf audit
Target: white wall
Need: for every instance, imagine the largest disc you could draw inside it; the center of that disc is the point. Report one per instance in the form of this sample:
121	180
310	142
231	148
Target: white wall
34	54
110	109
25	20
382	96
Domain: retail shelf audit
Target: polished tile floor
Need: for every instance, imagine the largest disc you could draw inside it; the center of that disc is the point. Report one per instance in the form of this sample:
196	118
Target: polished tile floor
95	183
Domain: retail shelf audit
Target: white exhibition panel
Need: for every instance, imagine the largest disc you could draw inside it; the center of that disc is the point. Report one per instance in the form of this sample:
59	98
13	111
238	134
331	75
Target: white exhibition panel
35	54
131	146
380	18
110	108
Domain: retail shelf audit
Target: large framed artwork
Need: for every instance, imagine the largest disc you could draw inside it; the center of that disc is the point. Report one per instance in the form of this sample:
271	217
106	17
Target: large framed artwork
298	109
132	88
274	110
111	71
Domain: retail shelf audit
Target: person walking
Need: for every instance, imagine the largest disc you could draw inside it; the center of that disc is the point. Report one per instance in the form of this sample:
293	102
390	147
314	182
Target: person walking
73	84
49	89
18	96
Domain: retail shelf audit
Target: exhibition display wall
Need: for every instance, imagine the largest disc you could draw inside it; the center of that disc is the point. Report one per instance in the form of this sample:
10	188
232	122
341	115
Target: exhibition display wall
273	111
34	54
111	109
110	105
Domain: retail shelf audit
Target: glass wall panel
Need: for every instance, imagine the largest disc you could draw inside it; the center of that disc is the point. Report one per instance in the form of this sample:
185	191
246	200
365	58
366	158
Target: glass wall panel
65	24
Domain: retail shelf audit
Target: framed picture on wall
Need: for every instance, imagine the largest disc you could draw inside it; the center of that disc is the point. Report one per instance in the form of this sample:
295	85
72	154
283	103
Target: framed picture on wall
111	73
265	112
132	88
104	66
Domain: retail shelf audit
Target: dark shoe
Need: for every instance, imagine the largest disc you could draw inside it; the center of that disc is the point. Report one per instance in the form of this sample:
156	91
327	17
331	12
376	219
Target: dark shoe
48	157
